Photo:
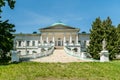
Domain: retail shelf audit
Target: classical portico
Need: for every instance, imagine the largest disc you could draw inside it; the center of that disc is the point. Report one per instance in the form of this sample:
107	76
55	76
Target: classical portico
59	34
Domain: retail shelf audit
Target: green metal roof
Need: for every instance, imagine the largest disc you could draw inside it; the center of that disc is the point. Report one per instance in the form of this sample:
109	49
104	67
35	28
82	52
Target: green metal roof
58	23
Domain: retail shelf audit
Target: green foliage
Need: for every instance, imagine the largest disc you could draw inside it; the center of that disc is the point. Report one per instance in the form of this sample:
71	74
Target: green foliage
6	31
11	4
34	32
61	71
110	35
95	39
103	30
6	37
118	37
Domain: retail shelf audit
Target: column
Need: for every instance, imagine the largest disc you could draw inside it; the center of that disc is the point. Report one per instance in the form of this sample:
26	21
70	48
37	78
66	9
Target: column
41	40
64	39
47	38
14	46
70	38
26	46
17	43
53	38
77	38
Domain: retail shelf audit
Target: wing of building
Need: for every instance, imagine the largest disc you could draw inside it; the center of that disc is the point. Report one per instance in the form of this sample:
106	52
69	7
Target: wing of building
57	34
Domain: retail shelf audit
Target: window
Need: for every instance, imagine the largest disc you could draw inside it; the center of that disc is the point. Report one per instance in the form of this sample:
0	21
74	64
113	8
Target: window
33	43
84	43
27	52
19	43
67	42
28	43
50	41
73	42
45	42
38	42
19	52
79	41
34	52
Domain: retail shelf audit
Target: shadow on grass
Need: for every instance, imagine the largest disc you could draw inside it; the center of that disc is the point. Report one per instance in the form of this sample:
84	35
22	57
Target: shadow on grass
7	61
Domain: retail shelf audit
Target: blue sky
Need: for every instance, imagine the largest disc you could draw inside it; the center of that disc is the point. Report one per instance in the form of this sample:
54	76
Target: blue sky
30	15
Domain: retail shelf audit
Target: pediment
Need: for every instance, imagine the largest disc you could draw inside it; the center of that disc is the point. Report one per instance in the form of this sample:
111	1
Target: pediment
59	27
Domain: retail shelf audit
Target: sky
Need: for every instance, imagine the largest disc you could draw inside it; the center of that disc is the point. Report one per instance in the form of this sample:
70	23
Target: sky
31	15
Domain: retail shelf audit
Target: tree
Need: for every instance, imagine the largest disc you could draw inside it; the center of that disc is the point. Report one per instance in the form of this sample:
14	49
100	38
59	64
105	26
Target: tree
6	31
95	38
110	35
118	38
11	4
103	30
6	37
34	32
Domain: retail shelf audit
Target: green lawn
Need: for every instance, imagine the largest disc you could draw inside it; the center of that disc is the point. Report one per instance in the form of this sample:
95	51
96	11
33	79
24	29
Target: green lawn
61	71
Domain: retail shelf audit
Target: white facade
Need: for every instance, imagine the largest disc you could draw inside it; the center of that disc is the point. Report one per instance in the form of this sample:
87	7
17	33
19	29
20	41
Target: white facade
58	35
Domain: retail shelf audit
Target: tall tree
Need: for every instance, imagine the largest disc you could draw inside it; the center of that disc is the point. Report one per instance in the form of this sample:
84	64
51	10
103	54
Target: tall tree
6	31
118	38
95	38
110	35
103	30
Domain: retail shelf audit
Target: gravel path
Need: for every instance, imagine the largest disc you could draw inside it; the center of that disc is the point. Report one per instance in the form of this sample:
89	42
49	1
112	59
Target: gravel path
58	55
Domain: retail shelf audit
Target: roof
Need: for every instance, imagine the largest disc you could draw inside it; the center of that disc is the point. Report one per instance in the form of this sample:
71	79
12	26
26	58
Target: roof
58	23
23	34
59	26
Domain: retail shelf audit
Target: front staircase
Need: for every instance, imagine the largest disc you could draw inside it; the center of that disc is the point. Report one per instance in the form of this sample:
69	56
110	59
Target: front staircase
59	47
58	55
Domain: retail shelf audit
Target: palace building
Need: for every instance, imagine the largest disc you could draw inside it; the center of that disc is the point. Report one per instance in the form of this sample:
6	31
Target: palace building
57	35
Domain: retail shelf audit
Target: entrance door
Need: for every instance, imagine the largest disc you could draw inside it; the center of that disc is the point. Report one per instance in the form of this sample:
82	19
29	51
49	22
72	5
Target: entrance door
59	43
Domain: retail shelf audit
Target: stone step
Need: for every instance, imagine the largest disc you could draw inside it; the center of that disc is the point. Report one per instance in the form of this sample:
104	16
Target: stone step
58	47
58	55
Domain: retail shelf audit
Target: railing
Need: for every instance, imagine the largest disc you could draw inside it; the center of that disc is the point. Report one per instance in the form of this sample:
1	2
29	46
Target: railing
78	54
47	52
72	53
44	53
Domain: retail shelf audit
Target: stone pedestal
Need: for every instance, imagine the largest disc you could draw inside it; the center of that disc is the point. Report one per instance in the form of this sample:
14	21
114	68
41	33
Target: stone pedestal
39	50
104	56
14	56
34	55
83	55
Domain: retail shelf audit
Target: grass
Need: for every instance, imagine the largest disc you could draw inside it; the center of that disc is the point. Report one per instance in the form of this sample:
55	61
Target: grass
61	71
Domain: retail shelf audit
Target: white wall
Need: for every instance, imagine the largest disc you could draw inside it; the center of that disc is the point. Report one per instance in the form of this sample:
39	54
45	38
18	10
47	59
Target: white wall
84	38
36	37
